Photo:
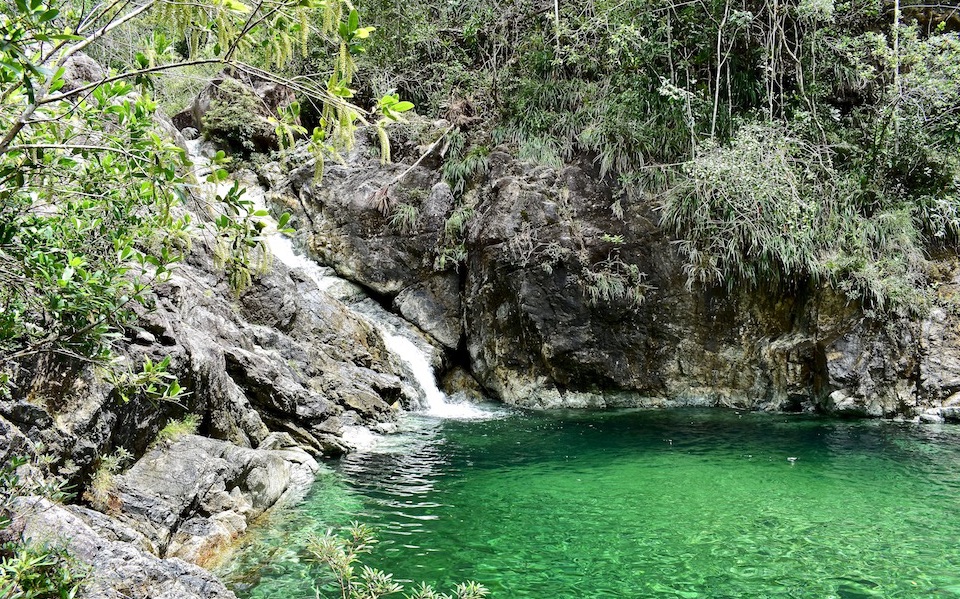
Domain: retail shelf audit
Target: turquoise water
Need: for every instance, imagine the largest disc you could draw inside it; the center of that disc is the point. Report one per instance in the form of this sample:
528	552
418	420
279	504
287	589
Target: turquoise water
674	503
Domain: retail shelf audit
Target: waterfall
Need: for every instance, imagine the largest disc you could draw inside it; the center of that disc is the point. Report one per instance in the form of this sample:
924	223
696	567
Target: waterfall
406	351
436	400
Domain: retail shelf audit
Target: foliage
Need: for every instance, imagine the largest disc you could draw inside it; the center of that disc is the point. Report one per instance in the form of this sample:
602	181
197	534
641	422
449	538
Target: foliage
175	429
94	196
787	141
451	247
754	209
345	577
152	382
612	280
100	493
771	208
464	164
29	570
404	218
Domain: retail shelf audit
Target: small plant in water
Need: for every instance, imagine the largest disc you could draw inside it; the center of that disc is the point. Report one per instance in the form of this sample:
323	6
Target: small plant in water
347	578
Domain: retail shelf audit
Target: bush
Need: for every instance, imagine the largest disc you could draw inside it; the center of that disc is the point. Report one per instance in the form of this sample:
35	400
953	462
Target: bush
772	209
29	570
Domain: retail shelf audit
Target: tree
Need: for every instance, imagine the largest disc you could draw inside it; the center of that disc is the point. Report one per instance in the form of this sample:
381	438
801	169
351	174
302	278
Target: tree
93	193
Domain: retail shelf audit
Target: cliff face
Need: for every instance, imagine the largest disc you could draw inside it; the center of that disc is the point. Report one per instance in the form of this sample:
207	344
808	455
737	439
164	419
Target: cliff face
547	303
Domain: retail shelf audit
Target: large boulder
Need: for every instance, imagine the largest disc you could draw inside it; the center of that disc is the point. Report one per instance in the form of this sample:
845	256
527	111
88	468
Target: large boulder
235	109
193	497
119	569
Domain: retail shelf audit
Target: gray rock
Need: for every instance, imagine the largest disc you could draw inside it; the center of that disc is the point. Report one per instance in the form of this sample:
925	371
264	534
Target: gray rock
80	70
119	569
194	497
348	218
434	306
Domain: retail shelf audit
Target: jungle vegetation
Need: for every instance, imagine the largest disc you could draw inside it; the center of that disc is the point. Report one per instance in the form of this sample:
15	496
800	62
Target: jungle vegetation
780	141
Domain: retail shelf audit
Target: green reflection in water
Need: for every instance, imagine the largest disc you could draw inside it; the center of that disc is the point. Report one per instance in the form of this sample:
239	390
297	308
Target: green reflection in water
675	503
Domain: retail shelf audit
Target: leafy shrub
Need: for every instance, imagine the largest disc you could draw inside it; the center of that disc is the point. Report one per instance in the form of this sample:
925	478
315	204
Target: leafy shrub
175	429
772	209
404	218
29	570
612	280
100	493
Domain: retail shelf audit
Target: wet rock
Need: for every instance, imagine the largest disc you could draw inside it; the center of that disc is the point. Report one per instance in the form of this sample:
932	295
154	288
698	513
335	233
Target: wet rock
354	227
459	383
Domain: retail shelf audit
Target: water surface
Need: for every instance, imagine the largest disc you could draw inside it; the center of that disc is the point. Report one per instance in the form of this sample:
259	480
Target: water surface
673	503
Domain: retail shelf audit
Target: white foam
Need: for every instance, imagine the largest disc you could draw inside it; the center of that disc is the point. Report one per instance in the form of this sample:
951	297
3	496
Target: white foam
360	438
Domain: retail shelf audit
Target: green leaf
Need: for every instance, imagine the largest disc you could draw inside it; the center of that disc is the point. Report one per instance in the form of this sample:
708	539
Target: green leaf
364	32
354	21
236	6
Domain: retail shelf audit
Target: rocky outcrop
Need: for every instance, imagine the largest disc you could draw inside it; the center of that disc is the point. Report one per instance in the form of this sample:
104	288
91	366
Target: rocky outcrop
276	370
194	497
281	356
550	310
119	568
533	273
355	223
274	375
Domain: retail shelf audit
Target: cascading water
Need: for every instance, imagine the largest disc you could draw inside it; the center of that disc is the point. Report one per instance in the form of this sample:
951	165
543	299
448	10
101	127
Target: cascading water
436	403
416	360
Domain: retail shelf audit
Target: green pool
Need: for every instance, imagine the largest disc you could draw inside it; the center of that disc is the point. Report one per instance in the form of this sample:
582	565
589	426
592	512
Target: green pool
674	503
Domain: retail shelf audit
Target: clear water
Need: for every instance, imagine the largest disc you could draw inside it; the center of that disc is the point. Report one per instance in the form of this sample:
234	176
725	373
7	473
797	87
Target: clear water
676	503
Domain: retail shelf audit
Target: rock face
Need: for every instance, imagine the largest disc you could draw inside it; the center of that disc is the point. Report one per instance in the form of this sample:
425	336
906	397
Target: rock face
355	223
274	375
192	498
546	303
120	569
276	370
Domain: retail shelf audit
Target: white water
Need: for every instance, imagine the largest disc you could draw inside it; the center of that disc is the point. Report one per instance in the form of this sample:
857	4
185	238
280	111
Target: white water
280	246
436	403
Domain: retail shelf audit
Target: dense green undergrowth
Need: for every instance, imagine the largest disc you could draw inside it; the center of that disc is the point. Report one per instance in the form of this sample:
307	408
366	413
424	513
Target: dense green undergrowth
783	142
